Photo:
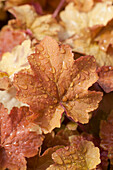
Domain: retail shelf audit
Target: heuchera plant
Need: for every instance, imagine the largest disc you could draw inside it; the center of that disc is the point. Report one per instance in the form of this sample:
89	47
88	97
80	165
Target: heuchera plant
56	70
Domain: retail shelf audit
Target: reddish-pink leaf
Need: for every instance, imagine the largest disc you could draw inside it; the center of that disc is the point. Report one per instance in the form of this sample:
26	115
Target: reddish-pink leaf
20	137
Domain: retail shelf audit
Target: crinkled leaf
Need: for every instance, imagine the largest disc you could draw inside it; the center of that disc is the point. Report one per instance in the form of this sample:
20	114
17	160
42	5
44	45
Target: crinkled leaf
81	154
57	80
40	26
10	38
106	133
20	137
17	59
74	21
106	78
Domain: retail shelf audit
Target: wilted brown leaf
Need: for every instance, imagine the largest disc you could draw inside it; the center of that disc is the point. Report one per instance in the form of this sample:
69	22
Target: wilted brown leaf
20	137
57	80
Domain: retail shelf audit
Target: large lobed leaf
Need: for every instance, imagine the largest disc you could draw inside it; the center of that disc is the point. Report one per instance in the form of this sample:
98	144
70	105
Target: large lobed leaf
57	81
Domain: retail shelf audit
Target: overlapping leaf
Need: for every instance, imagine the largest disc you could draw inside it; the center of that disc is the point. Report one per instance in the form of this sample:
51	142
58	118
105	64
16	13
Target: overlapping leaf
57	80
81	154
20	138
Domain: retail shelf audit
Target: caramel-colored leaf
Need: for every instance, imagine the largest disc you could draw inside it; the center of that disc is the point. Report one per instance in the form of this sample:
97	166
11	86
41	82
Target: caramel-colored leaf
20	137
56	80
81	154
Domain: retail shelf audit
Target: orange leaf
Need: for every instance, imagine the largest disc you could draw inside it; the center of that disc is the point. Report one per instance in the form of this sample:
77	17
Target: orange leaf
57	81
